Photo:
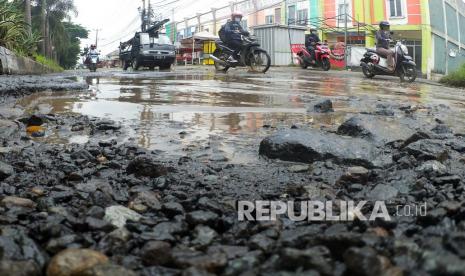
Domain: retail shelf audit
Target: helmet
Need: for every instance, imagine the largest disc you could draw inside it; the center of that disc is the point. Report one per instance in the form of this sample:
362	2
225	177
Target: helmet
236	14
383	24
312	30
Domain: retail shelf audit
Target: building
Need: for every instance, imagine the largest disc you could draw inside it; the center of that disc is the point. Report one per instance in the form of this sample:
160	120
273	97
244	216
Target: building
434	31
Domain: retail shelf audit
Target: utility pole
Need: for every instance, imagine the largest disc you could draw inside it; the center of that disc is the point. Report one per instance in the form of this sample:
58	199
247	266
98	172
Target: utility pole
143	14
345	34
174	27
27	16
149	15
96	36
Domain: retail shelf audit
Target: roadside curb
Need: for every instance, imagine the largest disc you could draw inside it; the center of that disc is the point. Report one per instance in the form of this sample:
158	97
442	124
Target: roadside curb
11	64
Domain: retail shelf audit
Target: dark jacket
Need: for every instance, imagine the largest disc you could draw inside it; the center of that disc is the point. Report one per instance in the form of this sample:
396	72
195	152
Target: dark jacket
234	30
382	39
313	39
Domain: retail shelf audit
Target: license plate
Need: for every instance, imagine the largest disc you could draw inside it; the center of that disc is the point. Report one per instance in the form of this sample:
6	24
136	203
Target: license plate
158	57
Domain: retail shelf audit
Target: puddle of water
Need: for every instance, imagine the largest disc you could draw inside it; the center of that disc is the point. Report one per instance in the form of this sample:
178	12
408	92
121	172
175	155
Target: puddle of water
233	107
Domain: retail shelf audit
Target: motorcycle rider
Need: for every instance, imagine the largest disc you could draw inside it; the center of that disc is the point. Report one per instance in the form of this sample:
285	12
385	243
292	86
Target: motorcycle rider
313	39
233	31
90	51
383	37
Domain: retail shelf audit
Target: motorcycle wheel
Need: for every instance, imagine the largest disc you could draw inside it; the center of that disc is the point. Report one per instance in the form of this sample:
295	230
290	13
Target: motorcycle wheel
259	61
135	65
409	73
325	64
367	72
220	67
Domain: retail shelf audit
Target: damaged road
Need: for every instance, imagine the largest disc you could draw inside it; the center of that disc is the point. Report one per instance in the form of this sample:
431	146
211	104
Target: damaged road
140	174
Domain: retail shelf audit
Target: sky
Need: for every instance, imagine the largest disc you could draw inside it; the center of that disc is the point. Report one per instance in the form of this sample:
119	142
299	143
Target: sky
117	20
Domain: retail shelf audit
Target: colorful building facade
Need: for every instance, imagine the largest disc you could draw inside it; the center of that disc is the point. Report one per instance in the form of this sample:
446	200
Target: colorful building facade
434	30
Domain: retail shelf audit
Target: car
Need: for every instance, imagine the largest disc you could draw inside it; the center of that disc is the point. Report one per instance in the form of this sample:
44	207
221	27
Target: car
148	49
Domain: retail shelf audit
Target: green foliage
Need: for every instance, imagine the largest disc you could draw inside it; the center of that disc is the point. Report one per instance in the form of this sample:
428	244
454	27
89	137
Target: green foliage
64	35
48	62
13	31
456	78
67	55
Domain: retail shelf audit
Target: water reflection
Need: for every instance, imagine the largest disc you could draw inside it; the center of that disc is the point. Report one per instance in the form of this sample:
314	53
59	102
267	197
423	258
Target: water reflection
205	103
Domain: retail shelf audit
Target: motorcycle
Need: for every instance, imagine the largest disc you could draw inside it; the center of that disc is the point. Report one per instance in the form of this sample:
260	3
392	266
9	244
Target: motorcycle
92	61
404	67
251	55
322	54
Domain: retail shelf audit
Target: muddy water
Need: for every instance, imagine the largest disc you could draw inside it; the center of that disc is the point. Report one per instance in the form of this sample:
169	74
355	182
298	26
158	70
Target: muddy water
185	111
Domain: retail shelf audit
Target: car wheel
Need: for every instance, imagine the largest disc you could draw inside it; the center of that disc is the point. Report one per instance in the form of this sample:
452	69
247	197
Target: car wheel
135	65
165	67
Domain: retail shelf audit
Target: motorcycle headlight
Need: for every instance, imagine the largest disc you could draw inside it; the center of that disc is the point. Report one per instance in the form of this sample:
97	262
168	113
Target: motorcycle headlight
404	49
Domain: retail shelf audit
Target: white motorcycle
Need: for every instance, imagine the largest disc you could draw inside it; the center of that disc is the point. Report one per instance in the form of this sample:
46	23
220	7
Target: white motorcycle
92	61
404	67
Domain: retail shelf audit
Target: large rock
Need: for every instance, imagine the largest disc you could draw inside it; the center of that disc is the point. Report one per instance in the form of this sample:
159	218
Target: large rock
375	128
71	262
144	166
5	170
428	149
118	215
8	129
313	145
383	192
323	107
156	253
10	201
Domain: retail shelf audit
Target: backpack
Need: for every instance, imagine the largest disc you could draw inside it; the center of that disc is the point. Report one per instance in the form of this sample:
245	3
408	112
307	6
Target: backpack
222	33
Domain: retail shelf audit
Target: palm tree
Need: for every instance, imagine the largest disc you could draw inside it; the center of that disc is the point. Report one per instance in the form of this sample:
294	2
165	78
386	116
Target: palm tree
27	15
13	29
43	27
48	17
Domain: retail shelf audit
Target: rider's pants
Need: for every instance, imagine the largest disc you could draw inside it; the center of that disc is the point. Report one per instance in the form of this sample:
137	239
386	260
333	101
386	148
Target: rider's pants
236	46
389	55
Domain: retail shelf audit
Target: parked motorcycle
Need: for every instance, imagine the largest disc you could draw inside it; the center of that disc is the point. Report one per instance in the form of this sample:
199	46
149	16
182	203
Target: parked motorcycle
321	60
374	64
92	61
251	55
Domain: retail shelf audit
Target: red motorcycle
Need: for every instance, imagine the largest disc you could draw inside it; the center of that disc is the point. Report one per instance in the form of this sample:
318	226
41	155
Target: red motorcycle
322	53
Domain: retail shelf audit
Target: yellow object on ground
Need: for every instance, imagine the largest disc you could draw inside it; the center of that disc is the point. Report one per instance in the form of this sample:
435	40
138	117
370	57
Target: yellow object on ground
208	48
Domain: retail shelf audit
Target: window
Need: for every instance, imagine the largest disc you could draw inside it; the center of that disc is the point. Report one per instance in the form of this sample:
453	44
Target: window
161	39
343	9
144	38
269	19
395	7
291	15
302	17
277	15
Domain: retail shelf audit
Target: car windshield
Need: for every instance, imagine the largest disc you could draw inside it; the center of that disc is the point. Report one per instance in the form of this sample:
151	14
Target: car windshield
161	39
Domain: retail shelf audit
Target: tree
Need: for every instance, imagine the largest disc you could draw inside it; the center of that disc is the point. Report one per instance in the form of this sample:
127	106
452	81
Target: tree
43	27
13	29
67	56
27	15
